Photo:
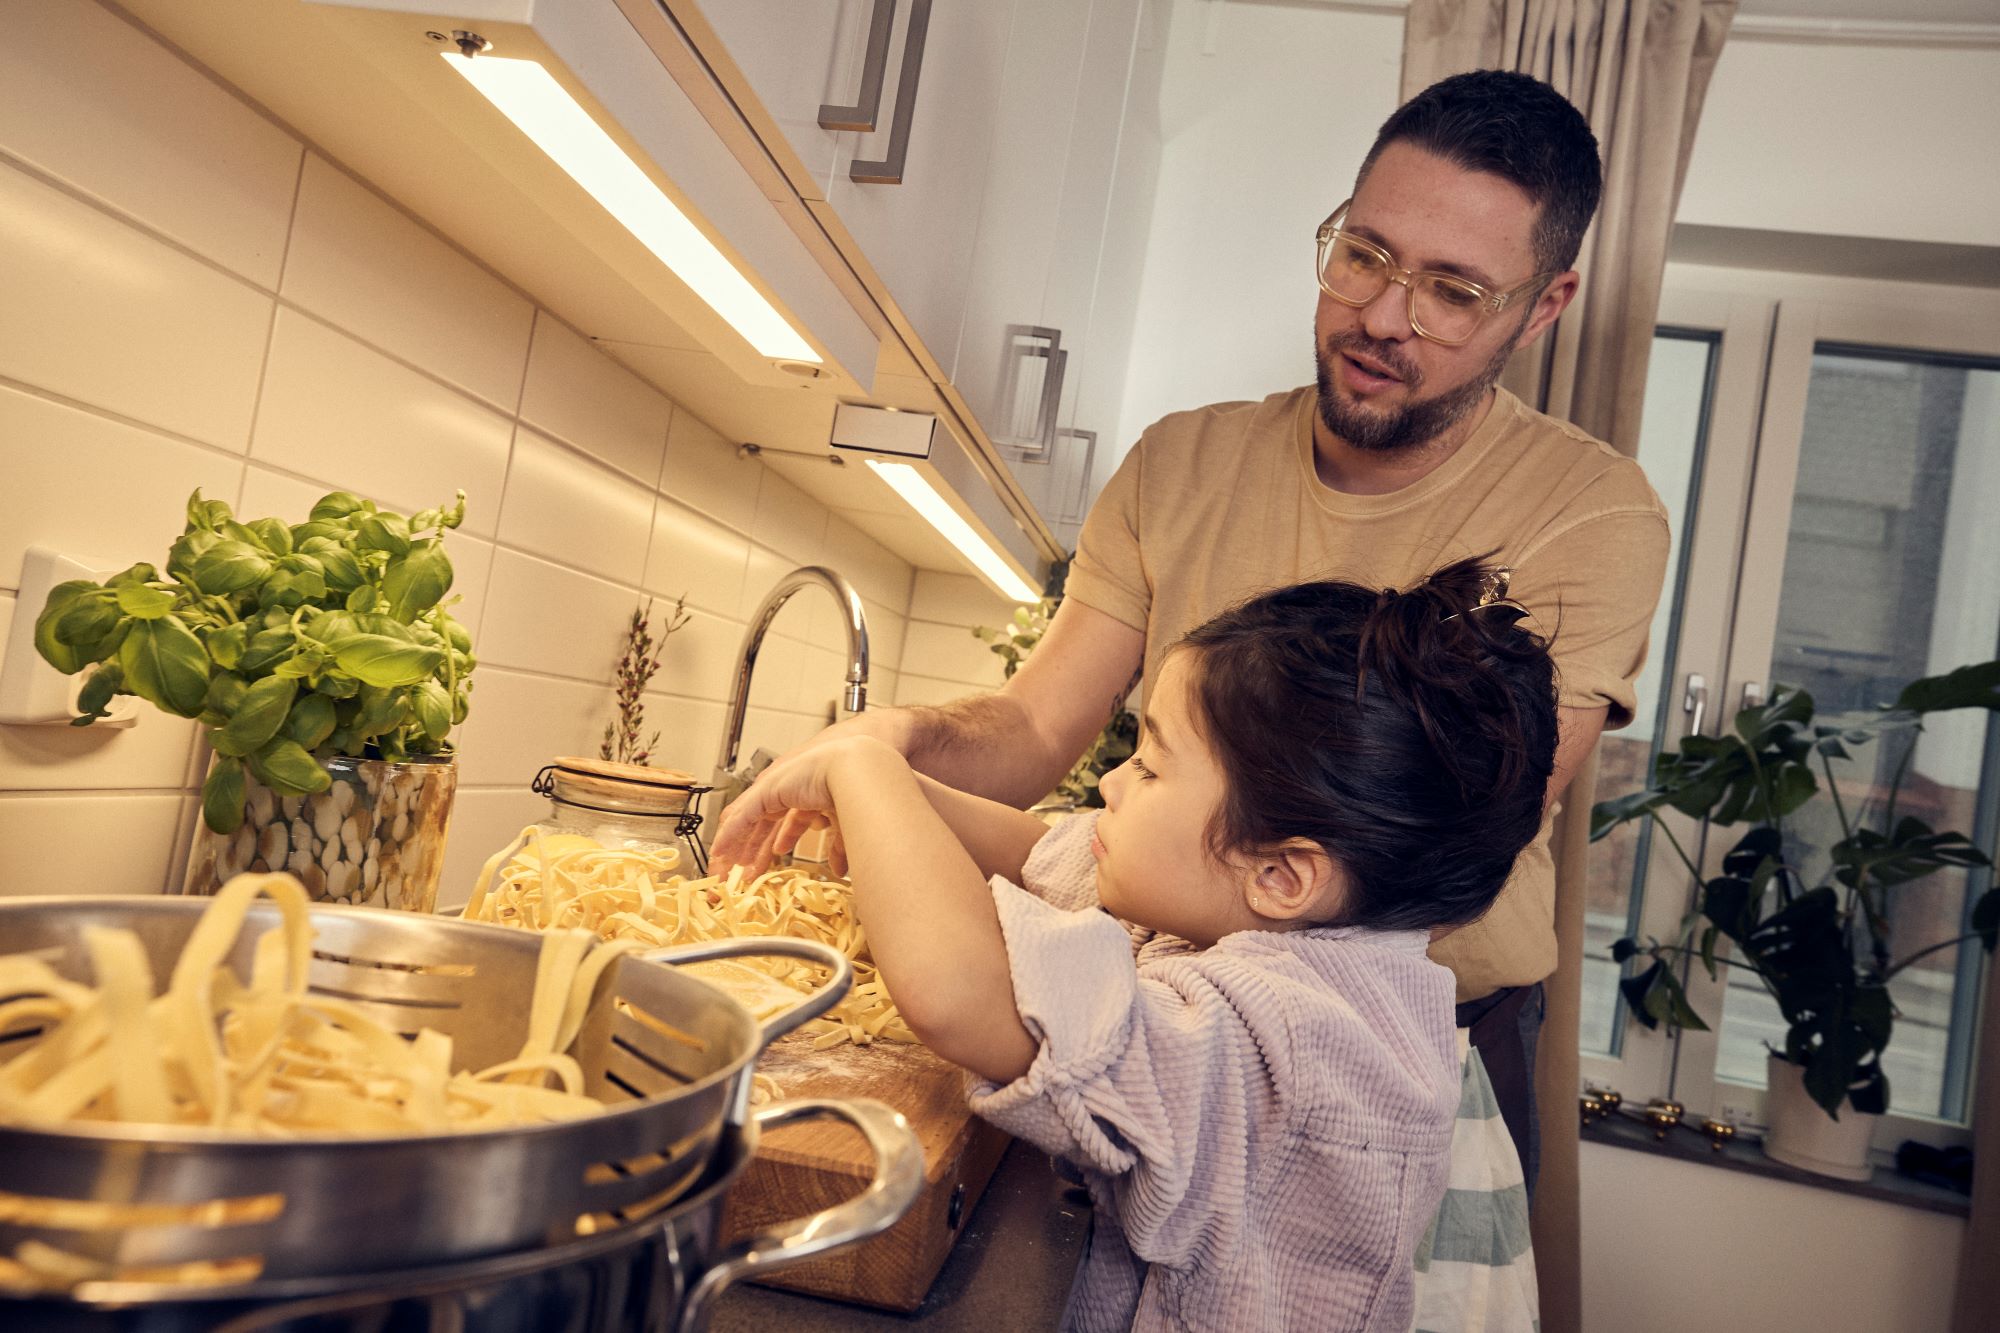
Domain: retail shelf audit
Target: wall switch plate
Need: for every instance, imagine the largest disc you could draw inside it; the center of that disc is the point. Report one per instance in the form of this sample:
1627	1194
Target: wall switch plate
33	693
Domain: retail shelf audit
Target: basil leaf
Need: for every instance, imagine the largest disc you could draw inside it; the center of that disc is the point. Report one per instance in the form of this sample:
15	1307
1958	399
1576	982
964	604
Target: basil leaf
166	665
55	650
143	603
226	645
267	648
225	695
383	532
339	687
376	659
182	556
418	581
337	505
274	535
138	576
454	633
311	721
230	566
262	711
381	710
287	769
222	796
340	569
88	617
363	598
94	699
206	513
433	708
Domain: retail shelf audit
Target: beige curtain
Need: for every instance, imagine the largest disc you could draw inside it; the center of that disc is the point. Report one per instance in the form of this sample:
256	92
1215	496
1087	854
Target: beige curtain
1638	70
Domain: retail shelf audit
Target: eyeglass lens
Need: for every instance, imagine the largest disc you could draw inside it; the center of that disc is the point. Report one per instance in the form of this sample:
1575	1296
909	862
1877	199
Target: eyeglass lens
1445	309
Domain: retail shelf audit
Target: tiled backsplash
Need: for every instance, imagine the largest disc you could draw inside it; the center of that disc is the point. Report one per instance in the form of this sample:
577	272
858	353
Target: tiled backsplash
196	298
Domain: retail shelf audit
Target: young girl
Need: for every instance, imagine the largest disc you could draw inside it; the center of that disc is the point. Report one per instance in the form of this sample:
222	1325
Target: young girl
1246	1050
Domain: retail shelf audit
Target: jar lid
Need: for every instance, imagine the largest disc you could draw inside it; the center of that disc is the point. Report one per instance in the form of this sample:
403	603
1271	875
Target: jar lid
637	788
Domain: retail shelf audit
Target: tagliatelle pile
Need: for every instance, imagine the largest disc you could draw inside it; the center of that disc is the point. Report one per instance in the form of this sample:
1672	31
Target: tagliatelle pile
269	1058
637	895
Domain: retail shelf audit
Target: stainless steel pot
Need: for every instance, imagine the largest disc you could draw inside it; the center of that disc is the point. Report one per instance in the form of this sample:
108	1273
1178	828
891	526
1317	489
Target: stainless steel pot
659	1276
147	1196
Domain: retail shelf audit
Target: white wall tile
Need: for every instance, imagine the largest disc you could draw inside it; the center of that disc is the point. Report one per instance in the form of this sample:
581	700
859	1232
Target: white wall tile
877	572
519	723
483	820
780	667
368	268
699	661
97	311
788	520
277	495
761	572
957	599
574	511
340	412
886	632
74	842
544	617
690	733
949	652
95	487
153	752
584	398
766	729
100	106
703	472
697	556
884	688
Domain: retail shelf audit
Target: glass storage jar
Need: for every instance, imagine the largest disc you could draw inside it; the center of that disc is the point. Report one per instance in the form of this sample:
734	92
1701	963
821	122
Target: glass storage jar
626	805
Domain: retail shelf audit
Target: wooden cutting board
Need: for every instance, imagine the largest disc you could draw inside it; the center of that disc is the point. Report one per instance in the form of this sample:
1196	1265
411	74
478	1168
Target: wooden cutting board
800	1169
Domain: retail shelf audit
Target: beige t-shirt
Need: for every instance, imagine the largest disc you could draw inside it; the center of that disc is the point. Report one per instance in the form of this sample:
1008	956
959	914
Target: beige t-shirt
1218	504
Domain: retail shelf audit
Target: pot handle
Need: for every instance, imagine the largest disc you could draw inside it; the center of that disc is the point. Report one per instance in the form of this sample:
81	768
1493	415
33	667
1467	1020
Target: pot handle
812	1006
899	1177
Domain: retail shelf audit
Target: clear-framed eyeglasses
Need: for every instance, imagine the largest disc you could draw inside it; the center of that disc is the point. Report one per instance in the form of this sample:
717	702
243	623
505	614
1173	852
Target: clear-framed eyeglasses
1443	307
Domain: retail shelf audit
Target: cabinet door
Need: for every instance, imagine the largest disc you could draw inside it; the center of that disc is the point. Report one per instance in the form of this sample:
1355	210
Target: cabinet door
918	234
802	57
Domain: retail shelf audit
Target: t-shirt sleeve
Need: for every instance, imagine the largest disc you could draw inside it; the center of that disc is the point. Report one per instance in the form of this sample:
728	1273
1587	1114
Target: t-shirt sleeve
1592	588
1109	572
1060	869
1128	1071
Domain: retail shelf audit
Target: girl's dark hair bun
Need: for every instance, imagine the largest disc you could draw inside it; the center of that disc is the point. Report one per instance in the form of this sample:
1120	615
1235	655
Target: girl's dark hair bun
1410	733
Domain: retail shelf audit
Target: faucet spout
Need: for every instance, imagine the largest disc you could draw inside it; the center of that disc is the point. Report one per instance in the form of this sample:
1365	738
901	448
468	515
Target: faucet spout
855	696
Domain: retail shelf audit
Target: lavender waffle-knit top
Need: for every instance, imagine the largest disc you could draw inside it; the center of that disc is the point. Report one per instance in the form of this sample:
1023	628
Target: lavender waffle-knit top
1264	1125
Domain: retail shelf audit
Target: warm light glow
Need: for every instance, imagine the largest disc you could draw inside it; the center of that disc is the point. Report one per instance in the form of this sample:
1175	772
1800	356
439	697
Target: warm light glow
909	483
529	96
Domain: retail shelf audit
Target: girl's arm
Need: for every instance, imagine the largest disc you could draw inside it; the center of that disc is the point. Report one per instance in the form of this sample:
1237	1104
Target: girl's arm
922	898
997	837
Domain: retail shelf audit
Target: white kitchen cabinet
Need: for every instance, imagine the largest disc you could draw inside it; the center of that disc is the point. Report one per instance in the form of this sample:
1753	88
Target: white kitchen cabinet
802	57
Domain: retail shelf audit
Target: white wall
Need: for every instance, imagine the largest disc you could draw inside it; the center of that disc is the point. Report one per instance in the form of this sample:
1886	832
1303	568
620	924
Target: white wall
195	297
1672	1247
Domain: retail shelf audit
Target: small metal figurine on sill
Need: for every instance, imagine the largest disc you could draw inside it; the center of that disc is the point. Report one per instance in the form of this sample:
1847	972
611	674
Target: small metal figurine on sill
1661	1113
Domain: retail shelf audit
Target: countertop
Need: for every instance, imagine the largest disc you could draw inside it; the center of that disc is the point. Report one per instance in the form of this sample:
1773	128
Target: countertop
1011	1268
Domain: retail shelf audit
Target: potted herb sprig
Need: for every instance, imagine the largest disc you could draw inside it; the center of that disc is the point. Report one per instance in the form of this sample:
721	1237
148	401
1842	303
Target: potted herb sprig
326	670
1825	951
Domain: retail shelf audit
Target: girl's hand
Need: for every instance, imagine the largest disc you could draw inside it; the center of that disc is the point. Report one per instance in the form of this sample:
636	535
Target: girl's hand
788	800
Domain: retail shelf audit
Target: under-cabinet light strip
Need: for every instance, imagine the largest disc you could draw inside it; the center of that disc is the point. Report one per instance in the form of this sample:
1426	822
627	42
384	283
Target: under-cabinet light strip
921	496
539	106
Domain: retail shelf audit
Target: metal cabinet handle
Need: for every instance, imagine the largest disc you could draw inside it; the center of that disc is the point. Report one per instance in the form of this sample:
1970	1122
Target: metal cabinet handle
1694	701
1076	512
1023	342
889	170
861	116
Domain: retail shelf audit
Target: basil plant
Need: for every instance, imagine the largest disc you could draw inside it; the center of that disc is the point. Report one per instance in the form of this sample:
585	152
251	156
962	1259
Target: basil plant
289	643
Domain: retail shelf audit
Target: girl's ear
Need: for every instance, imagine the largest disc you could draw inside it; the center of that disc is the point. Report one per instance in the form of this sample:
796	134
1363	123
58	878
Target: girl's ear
1296	880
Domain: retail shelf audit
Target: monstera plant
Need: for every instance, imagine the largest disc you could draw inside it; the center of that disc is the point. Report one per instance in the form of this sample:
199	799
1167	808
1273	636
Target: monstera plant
1825	950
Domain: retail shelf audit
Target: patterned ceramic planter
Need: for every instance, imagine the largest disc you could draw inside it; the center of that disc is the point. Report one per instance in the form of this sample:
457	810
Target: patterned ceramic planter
375	837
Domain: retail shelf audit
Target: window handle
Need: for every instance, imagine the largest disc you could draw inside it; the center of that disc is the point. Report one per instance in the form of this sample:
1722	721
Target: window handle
1694	701
1753	694
889	169
867	107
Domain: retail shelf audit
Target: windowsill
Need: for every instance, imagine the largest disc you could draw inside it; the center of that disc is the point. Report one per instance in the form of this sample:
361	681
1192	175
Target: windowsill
1886	1185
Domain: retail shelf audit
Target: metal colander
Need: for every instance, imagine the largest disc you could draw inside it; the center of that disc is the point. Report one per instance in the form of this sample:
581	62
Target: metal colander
145	1196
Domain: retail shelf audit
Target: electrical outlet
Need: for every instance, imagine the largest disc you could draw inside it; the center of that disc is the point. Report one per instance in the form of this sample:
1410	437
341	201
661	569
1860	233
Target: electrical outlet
33	693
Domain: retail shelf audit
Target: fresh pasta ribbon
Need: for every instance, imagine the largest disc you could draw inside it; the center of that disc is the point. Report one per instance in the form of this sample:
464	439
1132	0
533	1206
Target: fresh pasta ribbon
637	896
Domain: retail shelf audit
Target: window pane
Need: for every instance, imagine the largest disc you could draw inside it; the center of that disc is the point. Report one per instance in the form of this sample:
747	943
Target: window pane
1889	575
1670	441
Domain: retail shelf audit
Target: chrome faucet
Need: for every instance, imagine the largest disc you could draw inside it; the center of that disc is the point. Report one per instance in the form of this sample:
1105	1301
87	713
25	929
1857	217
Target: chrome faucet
727	779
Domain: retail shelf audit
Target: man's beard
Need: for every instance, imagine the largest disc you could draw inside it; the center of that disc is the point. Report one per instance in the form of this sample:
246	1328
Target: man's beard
1420	420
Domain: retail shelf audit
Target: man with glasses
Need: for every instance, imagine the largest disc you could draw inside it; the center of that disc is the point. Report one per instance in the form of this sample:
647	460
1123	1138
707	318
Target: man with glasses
1455	251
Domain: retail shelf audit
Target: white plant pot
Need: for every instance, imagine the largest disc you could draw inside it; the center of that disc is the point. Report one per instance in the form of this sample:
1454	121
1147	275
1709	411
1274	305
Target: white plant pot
1803	1135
